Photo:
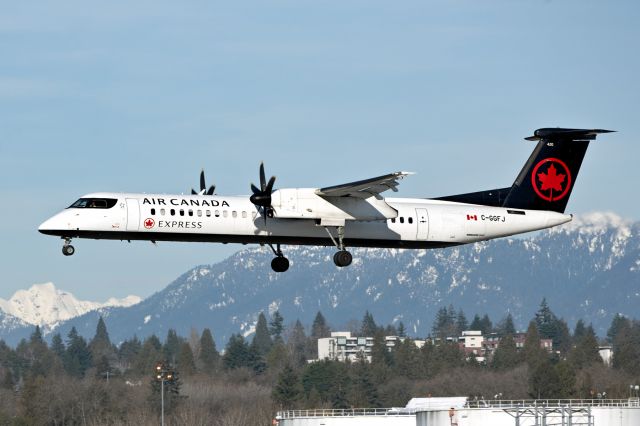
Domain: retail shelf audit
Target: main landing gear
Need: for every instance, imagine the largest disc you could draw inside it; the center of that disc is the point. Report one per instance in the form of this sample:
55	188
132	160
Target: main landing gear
342	257
67	248
279	263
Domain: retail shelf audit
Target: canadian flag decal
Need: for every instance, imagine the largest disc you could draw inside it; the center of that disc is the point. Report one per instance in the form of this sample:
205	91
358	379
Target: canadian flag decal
472	217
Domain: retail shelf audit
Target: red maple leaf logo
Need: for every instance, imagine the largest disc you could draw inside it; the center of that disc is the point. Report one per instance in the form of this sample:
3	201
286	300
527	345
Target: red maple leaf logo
554	184
149	223
552	180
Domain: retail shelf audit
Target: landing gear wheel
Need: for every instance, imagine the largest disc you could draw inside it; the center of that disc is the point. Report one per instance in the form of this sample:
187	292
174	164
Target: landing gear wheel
68	250
342	258
280	264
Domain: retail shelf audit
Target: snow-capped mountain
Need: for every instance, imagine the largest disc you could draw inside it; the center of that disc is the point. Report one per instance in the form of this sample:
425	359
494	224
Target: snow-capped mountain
587	269
47	306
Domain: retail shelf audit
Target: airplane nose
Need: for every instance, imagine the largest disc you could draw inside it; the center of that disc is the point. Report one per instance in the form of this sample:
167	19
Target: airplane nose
51	226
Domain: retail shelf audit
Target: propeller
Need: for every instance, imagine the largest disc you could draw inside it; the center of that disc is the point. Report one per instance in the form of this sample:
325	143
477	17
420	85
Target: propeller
262	196
203	187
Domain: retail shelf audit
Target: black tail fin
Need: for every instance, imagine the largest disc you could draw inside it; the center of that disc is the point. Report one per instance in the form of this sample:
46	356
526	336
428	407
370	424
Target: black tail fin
547	178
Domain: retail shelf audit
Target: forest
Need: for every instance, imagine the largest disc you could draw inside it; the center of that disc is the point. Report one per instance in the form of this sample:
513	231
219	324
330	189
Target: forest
71	380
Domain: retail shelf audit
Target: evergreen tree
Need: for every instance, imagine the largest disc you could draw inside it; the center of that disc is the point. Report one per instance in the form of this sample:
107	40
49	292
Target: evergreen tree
103	367
406	359
368	327
444	324
186	363
276	326
586	351
128	352
363	391
239	354
261	340
546	321
617	323
288	389
532	352
476	323
57	346
36	336
506	355
579	331
172	346
486	326
381	358
461	322
401	330
626	353
209	356
100	345
319	328
506	326
299	347
78	357
149	355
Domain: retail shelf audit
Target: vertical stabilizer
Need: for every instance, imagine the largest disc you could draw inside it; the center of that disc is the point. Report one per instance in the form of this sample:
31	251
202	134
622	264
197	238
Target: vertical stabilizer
547	178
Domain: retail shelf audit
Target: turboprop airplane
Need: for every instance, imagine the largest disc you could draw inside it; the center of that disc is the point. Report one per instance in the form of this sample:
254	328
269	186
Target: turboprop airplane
349	215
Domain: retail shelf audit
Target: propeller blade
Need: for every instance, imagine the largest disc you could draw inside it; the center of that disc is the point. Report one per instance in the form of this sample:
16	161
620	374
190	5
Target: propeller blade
269	188
211	190
193	192
263	180
203	186
255	190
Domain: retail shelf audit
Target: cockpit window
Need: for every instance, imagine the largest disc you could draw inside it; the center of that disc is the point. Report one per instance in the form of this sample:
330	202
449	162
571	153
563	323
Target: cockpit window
94	203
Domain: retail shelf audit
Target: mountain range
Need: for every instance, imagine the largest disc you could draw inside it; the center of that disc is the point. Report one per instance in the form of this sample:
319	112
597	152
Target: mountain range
588	269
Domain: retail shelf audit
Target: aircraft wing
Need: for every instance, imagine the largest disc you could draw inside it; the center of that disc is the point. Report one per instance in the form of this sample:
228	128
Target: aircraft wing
364	188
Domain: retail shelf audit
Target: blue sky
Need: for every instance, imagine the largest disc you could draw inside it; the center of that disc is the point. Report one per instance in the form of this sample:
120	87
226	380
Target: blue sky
139	96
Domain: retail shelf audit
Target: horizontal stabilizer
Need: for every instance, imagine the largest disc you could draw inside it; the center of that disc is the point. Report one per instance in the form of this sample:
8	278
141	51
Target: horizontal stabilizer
557	133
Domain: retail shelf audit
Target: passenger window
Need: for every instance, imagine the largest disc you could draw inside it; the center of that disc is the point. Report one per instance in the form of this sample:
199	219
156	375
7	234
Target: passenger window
153	212
199	213
173	212
190	212
224	213
162	212
410	220
208	213
401	219
181	212
217	213
244	215
393	220
234	214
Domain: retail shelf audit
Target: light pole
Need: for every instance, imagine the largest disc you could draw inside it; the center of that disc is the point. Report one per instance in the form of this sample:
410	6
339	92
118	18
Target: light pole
163	375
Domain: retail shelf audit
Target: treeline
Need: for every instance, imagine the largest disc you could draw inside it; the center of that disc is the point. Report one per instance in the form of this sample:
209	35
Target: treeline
72	380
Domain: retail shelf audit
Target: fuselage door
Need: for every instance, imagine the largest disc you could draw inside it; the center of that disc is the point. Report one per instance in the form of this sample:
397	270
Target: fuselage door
423	224
133	214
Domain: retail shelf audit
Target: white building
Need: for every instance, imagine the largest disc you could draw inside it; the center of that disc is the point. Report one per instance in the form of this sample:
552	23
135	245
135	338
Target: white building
341	346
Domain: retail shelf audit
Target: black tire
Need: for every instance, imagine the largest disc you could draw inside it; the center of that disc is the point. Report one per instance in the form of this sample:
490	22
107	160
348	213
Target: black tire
280	264
342	258
68	250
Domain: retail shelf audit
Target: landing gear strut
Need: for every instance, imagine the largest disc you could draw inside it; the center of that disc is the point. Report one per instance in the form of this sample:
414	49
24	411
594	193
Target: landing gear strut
67	248
279	263
342	257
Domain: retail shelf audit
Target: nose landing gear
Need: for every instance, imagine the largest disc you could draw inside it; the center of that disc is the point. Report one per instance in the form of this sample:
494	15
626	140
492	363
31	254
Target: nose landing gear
279	263
67	248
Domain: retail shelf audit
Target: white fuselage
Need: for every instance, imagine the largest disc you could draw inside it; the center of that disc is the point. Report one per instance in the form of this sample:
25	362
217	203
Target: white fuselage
418	223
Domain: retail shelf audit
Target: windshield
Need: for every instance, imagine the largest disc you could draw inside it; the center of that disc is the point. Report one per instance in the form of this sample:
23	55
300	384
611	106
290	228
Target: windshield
94	203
